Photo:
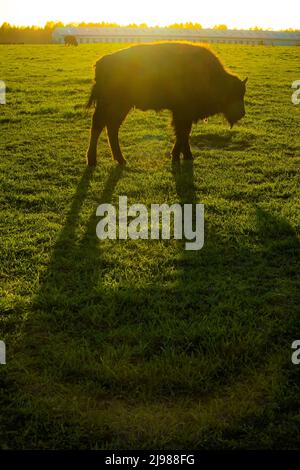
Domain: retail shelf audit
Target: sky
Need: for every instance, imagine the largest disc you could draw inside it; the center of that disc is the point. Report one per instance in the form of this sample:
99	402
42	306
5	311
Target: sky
234	13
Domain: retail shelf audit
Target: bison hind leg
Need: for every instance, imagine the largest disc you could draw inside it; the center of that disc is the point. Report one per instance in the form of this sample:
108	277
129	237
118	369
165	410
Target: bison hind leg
176	151
113	137
182	128
98	124
115	118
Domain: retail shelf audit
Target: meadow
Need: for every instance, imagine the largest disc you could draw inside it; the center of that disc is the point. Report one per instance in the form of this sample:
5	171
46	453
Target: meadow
140	344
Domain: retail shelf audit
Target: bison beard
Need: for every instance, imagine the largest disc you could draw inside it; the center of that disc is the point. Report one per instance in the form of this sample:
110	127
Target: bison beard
188	80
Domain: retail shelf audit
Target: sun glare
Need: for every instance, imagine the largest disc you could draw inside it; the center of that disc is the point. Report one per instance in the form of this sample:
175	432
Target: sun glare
233	13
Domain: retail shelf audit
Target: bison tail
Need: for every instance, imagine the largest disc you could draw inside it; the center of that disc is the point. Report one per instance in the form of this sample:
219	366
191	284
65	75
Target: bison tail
93	97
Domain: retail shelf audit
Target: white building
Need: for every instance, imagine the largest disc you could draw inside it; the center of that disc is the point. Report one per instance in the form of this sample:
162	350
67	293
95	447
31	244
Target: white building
122	34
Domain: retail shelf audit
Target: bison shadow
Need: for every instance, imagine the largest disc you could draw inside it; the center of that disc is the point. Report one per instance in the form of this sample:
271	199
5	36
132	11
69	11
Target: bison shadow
230	140
73	300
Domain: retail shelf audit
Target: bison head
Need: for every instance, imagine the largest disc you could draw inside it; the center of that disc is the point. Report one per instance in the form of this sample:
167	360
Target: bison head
234	108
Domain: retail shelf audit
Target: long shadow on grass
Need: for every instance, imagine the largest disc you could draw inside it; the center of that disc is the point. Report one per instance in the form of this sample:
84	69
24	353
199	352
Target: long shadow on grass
68	284
210	318
224	300
240	299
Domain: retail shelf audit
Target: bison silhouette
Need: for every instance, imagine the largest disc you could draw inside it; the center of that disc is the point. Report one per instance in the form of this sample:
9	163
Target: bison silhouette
187	79
70	40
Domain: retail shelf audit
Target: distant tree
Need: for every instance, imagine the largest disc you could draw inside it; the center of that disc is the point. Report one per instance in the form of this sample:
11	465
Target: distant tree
50	25
5	26
134	25
188	25
290	30
24	34
220	26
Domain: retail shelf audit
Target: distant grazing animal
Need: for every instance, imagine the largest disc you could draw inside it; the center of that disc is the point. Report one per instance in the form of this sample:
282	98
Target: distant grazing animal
70	40
187	79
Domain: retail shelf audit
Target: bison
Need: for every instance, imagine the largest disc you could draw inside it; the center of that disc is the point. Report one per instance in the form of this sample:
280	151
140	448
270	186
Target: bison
187	79
70	40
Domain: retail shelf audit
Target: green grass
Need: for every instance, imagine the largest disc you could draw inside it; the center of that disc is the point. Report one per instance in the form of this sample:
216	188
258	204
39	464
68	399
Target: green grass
141	344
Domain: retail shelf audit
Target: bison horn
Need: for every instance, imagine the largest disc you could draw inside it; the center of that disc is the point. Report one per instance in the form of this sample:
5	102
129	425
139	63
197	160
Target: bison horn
245	81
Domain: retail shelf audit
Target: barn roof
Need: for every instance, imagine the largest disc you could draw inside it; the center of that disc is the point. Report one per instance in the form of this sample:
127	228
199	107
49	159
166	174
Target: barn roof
151	31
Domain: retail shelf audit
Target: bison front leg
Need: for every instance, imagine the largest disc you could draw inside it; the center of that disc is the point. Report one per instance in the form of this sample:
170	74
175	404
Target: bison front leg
98	123
182	129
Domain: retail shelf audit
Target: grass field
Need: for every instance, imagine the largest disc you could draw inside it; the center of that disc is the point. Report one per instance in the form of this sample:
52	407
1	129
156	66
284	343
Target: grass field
141	344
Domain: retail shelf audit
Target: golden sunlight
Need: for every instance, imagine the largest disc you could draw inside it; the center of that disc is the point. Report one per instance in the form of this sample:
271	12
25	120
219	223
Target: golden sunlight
233	13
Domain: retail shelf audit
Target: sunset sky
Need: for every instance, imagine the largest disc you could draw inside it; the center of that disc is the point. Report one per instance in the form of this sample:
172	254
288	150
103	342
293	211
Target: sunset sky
234	13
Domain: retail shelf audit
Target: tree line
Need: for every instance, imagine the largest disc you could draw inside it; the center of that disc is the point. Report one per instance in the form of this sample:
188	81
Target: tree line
10	34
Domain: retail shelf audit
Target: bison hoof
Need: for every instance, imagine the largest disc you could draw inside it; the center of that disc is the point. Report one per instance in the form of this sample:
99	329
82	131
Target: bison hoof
188	156
175	157
91	160
122	162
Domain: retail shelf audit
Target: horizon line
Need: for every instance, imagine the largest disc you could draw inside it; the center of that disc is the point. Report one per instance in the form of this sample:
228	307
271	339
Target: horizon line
143	25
